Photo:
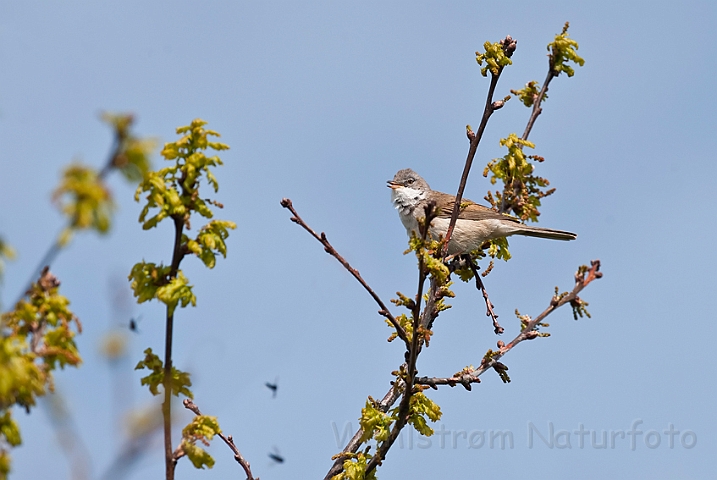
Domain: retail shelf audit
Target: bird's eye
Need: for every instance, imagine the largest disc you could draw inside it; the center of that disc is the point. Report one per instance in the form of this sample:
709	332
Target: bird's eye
409	181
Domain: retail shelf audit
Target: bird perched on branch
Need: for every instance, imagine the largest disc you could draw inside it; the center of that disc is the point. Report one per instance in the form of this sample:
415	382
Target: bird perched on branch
475	224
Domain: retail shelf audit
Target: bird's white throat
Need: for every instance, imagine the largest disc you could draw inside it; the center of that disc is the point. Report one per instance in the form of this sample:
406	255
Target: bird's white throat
406	200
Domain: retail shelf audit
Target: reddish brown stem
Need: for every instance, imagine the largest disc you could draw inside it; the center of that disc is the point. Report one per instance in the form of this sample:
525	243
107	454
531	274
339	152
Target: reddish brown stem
177	255
229	440
528	333
286	203
468	378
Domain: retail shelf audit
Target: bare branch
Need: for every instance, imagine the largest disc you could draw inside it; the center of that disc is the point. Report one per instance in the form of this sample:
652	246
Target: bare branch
528	333
433	382
537	109
229	440
170	456
488	304
286	203
508	44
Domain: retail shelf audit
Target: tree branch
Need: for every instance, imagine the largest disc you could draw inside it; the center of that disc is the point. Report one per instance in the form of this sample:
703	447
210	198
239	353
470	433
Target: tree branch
528	333
414	349
51	254
229	440
386	402
464	379
508	44
177	256
537	109
488	304
286	203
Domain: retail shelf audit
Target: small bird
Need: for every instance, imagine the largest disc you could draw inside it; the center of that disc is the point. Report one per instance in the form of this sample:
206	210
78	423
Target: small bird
475	224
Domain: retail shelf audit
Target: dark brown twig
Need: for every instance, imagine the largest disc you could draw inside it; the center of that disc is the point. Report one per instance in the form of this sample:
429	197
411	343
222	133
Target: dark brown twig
537	109
528	333
488	304
229	440
475	138
465	379
286	203
177	256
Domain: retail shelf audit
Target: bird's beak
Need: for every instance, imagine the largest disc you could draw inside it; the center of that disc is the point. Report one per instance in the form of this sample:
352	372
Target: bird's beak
393	185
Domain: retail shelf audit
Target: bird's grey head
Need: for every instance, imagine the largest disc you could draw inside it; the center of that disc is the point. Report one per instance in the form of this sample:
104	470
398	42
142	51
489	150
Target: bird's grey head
409	179
408	191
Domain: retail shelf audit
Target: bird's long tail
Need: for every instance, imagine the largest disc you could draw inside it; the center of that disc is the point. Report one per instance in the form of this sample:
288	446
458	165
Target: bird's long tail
549	233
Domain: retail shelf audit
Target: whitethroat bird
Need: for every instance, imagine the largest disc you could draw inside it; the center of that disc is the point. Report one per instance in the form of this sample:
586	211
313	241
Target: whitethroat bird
475	224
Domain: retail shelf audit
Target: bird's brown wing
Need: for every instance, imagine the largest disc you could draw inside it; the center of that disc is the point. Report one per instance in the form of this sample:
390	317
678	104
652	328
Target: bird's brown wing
469	211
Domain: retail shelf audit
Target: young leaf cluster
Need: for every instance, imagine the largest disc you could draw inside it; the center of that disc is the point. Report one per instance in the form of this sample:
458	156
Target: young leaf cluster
529	94
36	338
210	241
354	467
522	190
84	198
150	281
83	195
422	408
180	381
132	154
201	429
174	191
497	56
562	50
406	323
428	252
525	321
579	308
500	369
374	423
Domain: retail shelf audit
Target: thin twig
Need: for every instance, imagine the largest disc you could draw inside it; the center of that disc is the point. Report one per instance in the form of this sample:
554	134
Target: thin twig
537	109
488	304
51	254
229	440
412	353
475	138
177	256
528	333
286	203
465	379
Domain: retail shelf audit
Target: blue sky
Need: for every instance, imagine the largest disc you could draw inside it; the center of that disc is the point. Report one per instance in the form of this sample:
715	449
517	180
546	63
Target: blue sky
322	103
